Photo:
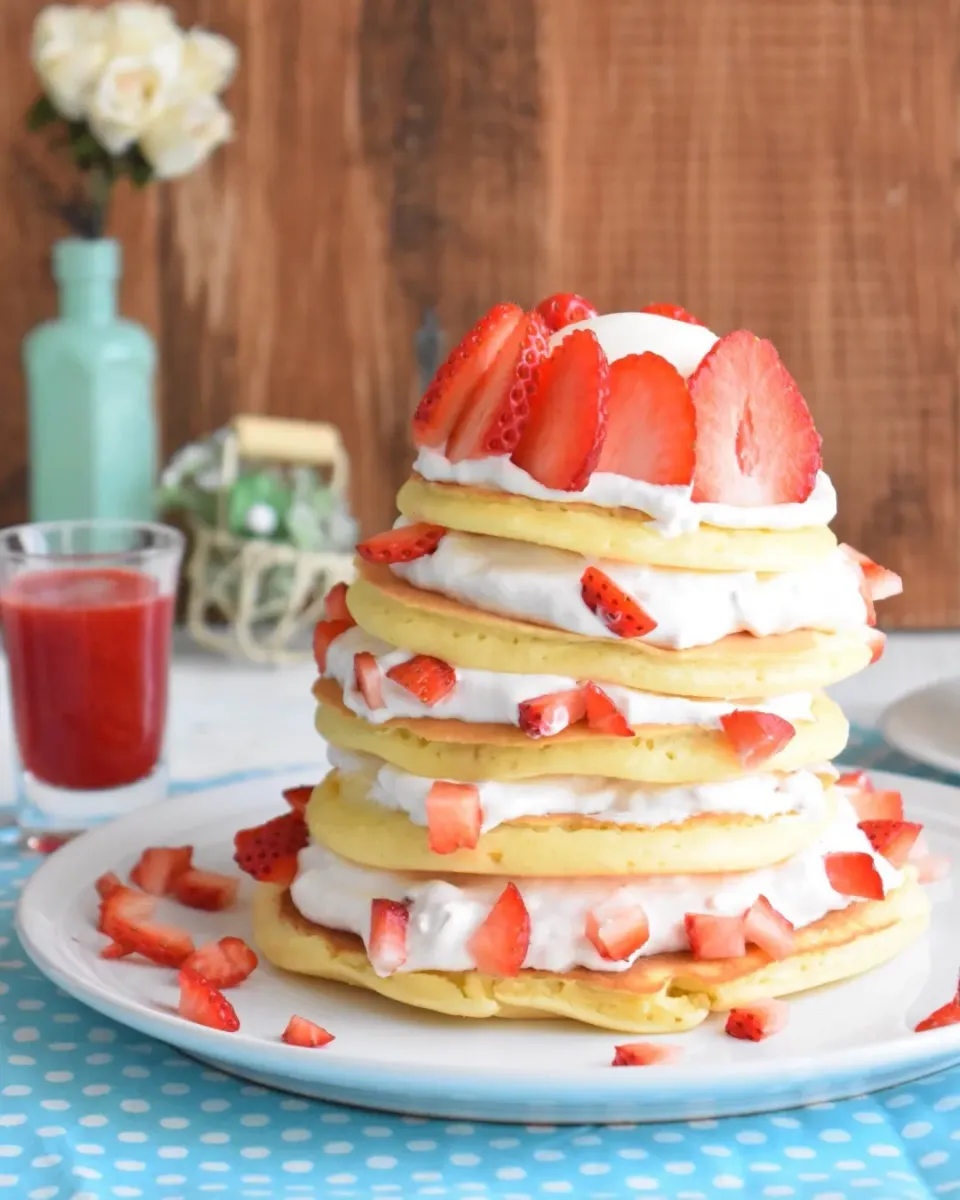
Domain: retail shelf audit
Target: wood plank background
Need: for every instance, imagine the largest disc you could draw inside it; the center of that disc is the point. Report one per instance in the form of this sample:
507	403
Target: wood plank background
785	165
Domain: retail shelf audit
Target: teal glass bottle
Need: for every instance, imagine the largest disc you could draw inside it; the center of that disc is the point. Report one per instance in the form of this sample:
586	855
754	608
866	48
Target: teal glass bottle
90	382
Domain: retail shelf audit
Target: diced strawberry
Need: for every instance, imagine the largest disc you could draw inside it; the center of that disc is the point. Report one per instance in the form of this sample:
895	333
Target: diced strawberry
206	890
453	816
603	715
920	848
620	612
125	917
565	308
763	926
388	935
298	797
323	634
500	944
428	679
645	1054
858	780
877	641
651	423
886	805
619	934
497	410
369	679
403	544
137	903
881	583
269	851
335	604
465	366
931	868
871	612
545	716
713	936
564	435
754	1022
158	868
673	311
225	963
301	1032
893	839
947	1014
107	884
754	736
114	950
203	1004
756	442
853	874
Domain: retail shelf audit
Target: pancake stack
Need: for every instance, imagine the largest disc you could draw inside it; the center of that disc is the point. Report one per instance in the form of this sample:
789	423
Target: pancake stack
574	698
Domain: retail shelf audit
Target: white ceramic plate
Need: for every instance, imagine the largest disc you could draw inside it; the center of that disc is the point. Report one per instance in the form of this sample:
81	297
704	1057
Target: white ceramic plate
926	725
841	1041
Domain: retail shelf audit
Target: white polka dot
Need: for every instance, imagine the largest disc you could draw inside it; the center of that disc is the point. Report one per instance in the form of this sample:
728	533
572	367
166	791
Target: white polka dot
21	1060
254	1120
594	1168
510	1173
174	1122
800	1152
215	1106
641	1183
381	1162
98	1034
338	1148
136	1072
934	1159
868	1118
851	1164
171	1180
548	1155
729	1182
425	1176
785	1122
464	1160
58	1076
779	1190
289	1105
632	1152
127	1164
767	1168
93	1121
13	1118
43	1193
377	1131
829	1196
859	1183
66	1018
668	1137
27	1033
98	1060
30	1005
716	1151
86	1173
334	1179
96	1089
48	1131
64	1047
680	1168
257	1152
55	1105
751	1137
174	1152
175	1089
947	1104
127	1191
16	1089
296	1135
46	1160
214	1139
510	1143
333	1118
423	1144
554	1185
916	1129
883	1151
899	1101
214	1166
10	1151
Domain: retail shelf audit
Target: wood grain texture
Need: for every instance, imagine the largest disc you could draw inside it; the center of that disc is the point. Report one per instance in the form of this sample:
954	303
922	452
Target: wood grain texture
783	165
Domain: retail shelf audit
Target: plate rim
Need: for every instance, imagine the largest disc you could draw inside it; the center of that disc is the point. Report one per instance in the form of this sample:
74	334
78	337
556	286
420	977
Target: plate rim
893	715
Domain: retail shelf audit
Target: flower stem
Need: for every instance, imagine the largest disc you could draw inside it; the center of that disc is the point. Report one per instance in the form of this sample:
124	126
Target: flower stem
100	182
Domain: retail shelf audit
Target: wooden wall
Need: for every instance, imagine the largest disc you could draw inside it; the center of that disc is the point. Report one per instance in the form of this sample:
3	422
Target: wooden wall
787	165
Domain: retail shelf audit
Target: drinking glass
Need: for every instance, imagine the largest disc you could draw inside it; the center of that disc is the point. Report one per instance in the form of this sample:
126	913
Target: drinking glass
87	614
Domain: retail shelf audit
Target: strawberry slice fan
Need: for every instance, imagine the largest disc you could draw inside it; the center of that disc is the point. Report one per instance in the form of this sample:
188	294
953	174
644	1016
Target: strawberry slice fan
575	704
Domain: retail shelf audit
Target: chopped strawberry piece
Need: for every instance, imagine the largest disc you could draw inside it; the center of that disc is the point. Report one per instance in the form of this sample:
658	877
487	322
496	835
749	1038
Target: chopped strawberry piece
564	435
644	1054
859	780
388	935
754	1022
403	544
107	884
713	936
140	906
269	851
323	634
877	806
931	868
565	308
893	839
454	817
500	944
125	917
754	736
206	890
369	679
947	1014
301	1032
465	366
603	715
428	679
114	950
854	874
763	926
158	868
225	963
496	412
335	604
620	934
203	1004
545	716
881	583
756	442
673	311
298	797
877	641
620	612
651	422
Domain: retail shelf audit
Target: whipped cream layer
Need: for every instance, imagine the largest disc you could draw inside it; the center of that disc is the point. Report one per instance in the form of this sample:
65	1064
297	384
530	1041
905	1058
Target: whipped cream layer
613	801
492	697
445	913
691	608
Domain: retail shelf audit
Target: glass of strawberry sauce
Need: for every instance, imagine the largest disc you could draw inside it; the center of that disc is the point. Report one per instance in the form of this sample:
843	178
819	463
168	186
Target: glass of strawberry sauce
86	609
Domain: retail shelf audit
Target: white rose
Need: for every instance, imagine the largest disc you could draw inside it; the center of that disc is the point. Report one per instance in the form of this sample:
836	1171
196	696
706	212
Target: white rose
135	28
209	63
185	135
68	52
130	94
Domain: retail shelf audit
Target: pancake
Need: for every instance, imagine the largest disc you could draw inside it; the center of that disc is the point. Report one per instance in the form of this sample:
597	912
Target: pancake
662	993
621	533
343	818
738	666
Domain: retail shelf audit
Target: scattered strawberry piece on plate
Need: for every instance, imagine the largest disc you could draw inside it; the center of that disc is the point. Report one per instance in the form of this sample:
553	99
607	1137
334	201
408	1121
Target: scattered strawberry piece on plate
853	873
301	1032
500	944
225	963
114	950
767	928
335	604
403	544
158	868
269	851
873	805
859	780
465	366
645	1054
881	583
107	884
207	890
564	435
203	1004
388	935
602	714
756	441
428	679
877	642
754	736
298	797
323	634
673	311
620	612
947	1014
620	934
754	1022
454	817
546	716
931	868
893	839
369	678
125	917
565	308
714	936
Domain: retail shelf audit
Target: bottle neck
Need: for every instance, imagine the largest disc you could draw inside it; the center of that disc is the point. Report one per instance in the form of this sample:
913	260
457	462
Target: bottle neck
91	301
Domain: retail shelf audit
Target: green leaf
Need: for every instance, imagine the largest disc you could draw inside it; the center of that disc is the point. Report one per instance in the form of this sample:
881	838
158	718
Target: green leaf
136	167
86	149
41	113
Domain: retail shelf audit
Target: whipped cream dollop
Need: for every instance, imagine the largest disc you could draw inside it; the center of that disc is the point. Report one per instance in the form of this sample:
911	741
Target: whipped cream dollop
492	697
445	913
691	608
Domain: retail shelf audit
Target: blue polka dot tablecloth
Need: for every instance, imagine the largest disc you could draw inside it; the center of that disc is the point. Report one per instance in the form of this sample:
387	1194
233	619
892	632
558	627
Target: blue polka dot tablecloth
91	1110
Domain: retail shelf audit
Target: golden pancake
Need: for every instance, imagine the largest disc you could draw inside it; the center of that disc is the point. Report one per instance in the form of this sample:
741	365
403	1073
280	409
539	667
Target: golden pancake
614	533
662	993
738	666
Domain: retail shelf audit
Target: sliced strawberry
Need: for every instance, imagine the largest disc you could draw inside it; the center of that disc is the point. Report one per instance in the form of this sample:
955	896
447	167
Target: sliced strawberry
893	839
323	634
763	926
651	422
947	1014
403	544
756	442
298	797
545	716
620	934
107	884
931	868
335	604
644	1054
854	874
673	311
497	410
881	583
621	614
158	868
388	935
301	1032
203	1004
453	816
125	917
225	963
713	936
114	950
427	678
858	780
754	736
877	806
565	308
877	642
603	715
564	435
754	1022
206	890
369	679
269	851
463	369
500	944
